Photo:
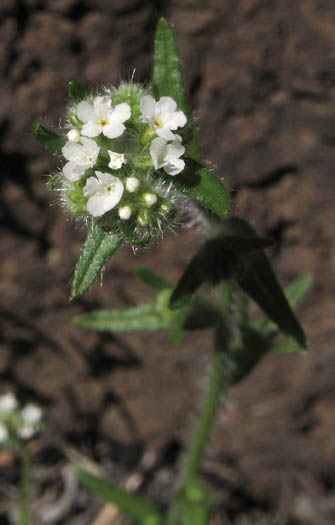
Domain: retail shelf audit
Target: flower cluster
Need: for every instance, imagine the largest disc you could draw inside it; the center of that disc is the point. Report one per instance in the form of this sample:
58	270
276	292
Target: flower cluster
120	149
16	423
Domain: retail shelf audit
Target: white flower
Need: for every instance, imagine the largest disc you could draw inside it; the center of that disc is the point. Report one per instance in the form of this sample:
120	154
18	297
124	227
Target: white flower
116	160
101	117
125	212
80	156
3	433
132	184
31	414
104	192
162	116
8	403
166	155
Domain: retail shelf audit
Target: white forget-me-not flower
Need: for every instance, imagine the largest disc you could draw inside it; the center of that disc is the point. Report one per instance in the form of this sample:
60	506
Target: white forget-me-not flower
162	116
102	117
104	192
80	156
166	156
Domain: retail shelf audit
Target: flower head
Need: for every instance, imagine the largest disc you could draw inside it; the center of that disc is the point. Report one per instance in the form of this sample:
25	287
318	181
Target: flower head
166	155
104	192
102	117
162	116
80	156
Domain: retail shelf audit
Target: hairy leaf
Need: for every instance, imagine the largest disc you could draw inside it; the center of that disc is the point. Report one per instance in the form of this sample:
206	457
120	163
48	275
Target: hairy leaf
96	252
167	76
77	90
204	187
144	317
49	139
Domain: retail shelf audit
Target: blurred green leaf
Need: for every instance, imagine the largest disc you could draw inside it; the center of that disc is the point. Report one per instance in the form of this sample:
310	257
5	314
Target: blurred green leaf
77	90
96	252
144	317
167	75
135	507
152	279
294	293
216	259
286	345
49	139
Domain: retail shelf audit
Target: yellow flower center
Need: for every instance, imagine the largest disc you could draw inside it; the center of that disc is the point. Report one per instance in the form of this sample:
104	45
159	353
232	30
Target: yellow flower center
158	123
103	121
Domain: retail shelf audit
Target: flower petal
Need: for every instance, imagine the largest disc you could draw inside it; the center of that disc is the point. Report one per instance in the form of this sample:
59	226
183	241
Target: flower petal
121	113
91	130
165	133
176	120
73	171
92	186
113	130
174	167
157	151
166	105
85	111
147	106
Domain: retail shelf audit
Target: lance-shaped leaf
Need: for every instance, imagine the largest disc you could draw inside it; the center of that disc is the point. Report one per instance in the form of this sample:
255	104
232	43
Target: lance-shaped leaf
294	293
152	279
48	138
256	278
203	186
77	90
167	76
142	318
132	505
96	252
216	259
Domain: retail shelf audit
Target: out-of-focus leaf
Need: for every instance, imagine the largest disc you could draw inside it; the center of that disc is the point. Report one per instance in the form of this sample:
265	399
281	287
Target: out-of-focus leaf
152	279
49	139
96	252
204	187
135	507
294	293
256	278
203	314
216	259
167	75
77	90
286	345
144	317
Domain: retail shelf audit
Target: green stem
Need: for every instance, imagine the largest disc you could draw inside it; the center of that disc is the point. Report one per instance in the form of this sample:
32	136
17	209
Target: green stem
211	404
206	419
25	486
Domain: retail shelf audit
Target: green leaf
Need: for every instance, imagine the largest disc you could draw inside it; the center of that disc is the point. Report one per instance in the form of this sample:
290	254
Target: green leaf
132	505
204	187
294	293
256	278
203	314
286	345
167	76
77	90
144	317
216	259
96	252
48	138
152	279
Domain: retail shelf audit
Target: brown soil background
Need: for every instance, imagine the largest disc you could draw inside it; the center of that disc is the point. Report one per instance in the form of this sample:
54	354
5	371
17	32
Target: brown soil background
260	77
